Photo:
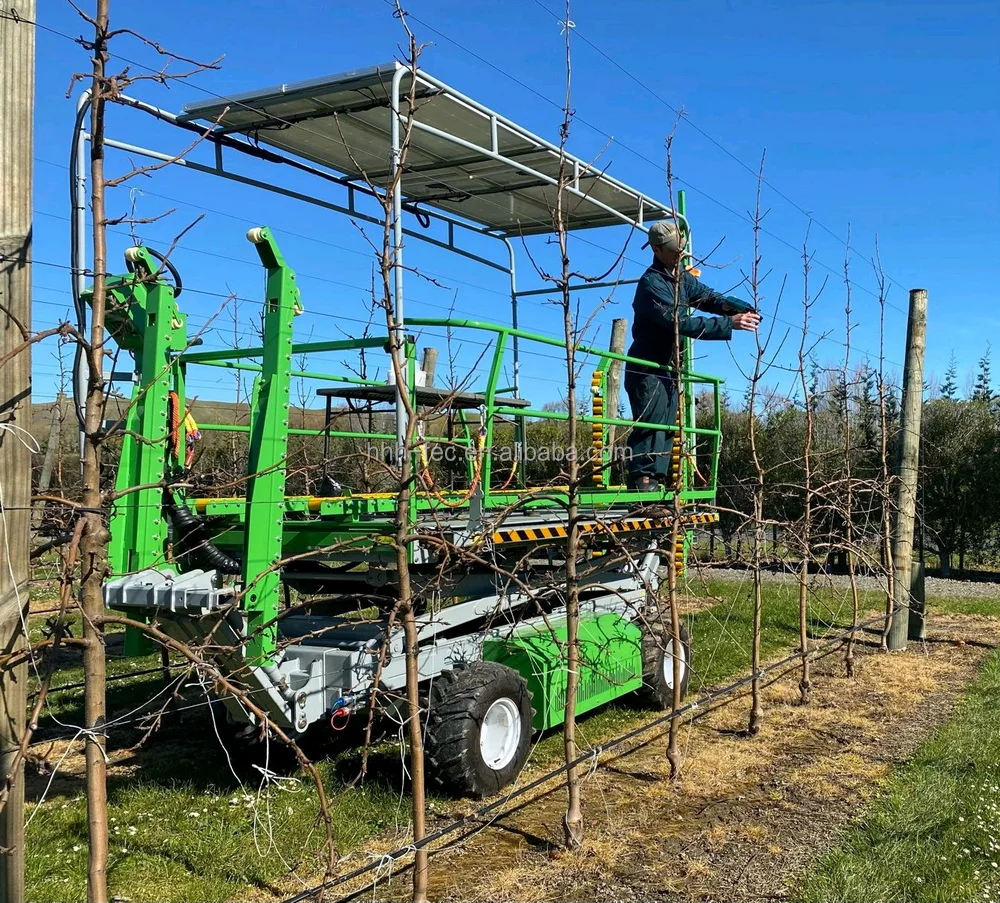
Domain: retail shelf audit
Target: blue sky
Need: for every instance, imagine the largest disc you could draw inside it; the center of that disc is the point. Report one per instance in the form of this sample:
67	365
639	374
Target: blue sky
881	114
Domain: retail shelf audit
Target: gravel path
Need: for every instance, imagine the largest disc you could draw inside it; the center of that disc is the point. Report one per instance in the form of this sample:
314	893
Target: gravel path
935	586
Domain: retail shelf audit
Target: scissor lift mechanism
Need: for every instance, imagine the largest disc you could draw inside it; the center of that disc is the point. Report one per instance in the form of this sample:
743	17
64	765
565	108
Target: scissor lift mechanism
185	560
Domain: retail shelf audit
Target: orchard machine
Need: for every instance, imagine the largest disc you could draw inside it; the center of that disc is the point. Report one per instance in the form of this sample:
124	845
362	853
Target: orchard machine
294	594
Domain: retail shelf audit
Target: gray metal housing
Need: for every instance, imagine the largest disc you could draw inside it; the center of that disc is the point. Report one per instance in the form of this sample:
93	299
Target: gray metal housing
336	658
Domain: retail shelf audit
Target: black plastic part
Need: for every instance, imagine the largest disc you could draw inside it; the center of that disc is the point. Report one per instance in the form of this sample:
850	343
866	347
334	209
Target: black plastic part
156	255
192	545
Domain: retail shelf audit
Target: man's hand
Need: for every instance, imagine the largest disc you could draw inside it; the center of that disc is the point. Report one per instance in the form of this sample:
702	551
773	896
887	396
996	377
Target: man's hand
748	321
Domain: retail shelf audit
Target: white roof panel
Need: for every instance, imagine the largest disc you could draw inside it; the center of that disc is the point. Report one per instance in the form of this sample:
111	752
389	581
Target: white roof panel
454	163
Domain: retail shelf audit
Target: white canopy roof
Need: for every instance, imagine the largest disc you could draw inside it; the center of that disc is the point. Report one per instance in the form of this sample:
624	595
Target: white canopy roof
462	157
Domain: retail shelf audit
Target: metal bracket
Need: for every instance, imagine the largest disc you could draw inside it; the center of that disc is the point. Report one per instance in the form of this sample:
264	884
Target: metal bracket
195	590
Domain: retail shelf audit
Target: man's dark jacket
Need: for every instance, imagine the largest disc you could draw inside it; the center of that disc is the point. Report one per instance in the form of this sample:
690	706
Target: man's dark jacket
653	330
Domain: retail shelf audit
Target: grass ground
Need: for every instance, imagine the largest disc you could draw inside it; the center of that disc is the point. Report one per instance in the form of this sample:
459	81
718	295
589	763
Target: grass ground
934	835
748	815
186	827
719	616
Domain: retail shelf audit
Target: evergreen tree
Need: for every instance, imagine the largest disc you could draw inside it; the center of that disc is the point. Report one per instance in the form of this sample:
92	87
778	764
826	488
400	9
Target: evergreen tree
949	387
983	390
840	395
868	409
812	400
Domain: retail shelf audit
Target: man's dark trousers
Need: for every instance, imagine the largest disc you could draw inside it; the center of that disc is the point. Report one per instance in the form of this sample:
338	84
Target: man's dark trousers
654	400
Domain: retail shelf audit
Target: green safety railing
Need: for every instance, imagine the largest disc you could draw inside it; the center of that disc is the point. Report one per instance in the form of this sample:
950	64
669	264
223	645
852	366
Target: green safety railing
493	393
152	327
688	378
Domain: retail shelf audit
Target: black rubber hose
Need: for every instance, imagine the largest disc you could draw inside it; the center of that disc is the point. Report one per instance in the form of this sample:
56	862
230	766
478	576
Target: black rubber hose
178	285
81	313
193	542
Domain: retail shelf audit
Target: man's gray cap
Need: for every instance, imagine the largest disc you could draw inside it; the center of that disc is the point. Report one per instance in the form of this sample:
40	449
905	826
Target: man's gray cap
666	233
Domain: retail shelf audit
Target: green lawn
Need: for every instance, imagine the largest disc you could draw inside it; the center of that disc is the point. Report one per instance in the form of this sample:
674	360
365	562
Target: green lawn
184	828
934	835
975	606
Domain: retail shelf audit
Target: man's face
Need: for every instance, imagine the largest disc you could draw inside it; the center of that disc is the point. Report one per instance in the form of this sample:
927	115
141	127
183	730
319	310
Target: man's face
667	256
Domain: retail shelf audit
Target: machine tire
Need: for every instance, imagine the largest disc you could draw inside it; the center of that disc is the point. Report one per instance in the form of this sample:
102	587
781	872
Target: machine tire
476	713
657	665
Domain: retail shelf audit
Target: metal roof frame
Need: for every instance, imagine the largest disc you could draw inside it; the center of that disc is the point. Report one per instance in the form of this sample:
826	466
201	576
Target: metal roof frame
325	126
461	157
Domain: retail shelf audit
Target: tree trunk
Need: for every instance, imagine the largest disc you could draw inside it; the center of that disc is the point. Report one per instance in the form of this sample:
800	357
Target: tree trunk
573	819
673	753
418	780
756	706
759	488
94	542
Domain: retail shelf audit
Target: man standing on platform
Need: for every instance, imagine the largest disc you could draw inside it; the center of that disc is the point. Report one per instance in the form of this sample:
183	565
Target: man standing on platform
663	304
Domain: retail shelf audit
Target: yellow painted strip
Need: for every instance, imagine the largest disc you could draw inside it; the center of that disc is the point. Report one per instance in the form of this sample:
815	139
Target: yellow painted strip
631	525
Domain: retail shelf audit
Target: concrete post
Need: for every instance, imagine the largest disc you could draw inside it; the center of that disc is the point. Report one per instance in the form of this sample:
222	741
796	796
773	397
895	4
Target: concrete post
906	504
17	99
617	345
429	365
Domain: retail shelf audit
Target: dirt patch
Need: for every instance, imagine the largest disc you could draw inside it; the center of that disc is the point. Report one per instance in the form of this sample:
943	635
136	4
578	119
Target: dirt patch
747	815
691	605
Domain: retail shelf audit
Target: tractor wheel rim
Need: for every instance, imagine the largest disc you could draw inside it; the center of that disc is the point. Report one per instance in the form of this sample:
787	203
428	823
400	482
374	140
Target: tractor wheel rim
500	733
668	663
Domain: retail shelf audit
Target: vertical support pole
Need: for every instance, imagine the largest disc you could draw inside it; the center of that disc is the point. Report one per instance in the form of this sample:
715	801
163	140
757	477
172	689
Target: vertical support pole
520	430
619	329
429	365
918	600
17	100
515	347
913	391
687	360
137	525
397	338
179	375
51	450
918	591
78	249
486	415
265	501
716	435
411	381
138	528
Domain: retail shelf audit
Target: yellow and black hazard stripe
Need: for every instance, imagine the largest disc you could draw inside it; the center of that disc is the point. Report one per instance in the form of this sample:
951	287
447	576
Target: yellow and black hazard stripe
626	525
675	455
700	517
597	429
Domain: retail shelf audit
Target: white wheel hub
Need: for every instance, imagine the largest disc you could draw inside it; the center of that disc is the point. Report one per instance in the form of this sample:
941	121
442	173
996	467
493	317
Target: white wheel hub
668	663
500	733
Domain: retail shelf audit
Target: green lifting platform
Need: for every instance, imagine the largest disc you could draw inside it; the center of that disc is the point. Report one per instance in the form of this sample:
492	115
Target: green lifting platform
185	557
